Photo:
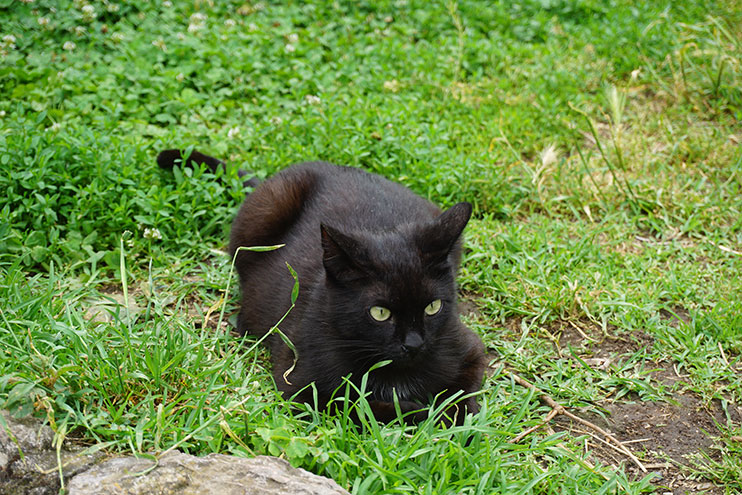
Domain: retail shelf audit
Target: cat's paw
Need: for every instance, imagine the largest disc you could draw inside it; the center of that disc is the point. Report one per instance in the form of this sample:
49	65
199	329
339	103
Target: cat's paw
386	412
413	412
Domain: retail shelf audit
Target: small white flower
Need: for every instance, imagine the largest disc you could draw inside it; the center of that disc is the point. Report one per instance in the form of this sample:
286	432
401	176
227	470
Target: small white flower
80	30
2	114
167	3
88	12
180	36
152	233
276	120
293	38
252	27
196	22
54	127
180	77
27	1
230	23
234	131
392	85
43	21
117	37
290	48
312	100
8	40
160	43
69	45
112	7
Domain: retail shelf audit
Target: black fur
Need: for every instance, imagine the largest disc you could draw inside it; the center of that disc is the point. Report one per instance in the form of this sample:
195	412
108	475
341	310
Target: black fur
356	240
169	158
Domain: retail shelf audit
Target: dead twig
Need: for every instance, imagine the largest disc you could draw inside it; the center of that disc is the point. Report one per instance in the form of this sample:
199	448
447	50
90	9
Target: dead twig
607	444
638	440
583	462
557	409
659	465
723	356
579	330
524	434
726	249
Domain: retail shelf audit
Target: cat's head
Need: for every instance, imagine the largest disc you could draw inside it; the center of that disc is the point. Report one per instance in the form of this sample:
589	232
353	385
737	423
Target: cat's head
392	295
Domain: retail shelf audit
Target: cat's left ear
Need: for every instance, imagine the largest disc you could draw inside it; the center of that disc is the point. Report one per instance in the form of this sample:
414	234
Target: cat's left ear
438	238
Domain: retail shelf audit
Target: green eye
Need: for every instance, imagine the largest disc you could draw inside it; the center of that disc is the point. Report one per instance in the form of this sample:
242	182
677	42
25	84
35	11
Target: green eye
379	313
433	307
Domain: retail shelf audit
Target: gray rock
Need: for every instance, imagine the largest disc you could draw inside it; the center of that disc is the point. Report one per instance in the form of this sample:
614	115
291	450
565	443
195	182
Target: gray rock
112	307
182	474
29	466
25	434
28	460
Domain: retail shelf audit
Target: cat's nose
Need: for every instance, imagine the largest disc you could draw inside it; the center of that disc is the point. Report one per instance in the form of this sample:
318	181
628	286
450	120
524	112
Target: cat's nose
412	342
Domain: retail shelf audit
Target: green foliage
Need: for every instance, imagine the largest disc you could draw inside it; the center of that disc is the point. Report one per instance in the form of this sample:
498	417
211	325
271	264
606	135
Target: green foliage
597	140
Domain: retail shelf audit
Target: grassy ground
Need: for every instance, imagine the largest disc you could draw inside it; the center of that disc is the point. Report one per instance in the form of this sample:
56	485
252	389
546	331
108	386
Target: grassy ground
598	140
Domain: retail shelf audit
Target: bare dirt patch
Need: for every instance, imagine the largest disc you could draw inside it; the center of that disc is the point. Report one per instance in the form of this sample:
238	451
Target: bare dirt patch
590	341
676	315
112	305
469	309
663	435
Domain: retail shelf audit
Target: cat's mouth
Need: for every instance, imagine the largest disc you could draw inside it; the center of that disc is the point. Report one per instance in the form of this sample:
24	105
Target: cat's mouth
407	358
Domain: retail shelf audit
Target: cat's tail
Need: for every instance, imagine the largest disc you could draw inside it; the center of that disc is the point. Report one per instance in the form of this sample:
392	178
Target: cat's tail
169	158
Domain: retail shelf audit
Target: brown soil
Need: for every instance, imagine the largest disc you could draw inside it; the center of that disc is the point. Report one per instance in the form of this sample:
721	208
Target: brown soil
664	435
468	308
192	306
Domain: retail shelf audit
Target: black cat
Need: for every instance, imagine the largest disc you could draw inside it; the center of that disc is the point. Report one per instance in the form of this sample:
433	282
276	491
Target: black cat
376	266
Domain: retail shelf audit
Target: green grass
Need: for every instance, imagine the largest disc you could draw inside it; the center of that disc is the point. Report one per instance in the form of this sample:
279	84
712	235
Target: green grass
598	141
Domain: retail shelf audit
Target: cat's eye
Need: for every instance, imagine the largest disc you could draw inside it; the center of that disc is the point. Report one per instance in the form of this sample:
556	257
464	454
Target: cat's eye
433	307
379	313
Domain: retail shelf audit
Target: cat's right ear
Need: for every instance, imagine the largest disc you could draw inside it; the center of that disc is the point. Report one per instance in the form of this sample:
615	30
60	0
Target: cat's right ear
438	238
344	257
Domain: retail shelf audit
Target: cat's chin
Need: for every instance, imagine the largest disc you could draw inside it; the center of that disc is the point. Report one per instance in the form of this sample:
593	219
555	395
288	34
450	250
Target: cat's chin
386	389
403	361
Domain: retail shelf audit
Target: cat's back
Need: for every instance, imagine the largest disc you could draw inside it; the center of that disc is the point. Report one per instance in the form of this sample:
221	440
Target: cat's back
294	202
352	199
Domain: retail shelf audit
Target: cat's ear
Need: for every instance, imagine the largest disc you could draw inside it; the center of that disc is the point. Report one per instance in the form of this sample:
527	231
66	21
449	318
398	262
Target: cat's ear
343	256
438	238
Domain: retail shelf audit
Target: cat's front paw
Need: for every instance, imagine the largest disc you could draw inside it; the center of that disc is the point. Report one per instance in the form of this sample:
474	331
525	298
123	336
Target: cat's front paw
412	412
